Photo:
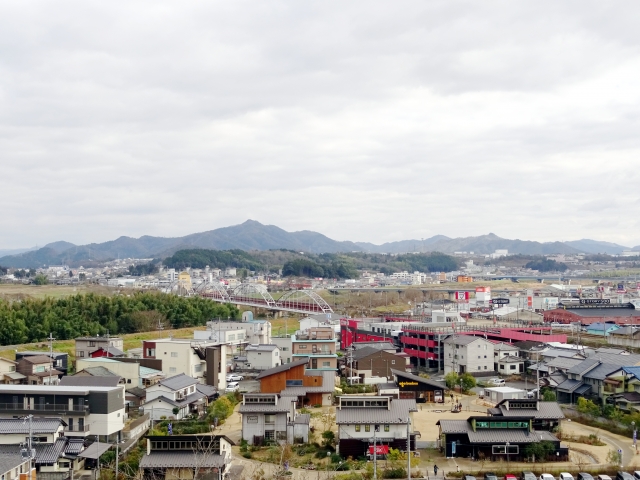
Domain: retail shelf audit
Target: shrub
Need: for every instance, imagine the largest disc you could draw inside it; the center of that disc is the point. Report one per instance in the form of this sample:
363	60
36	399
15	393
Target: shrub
247	454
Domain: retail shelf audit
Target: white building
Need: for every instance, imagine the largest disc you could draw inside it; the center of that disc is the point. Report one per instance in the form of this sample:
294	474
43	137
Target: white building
175	397
265	417
256	331
284	344
263	357
468	354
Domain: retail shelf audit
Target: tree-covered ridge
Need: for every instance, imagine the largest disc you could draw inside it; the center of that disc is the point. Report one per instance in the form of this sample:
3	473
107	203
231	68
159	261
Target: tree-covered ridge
32	320
545	265
200	258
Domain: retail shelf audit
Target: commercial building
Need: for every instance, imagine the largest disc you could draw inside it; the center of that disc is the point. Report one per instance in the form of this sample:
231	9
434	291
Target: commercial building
422	390
360	418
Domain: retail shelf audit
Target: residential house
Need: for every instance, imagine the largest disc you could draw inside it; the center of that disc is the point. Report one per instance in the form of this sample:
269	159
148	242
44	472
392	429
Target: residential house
175	397
263	357
85	346
359	418
372	362
292	380
185	457
13	466
87	410
484	437
265	417
60	359
468	354
190	357
8	373
545	415
38	370
255	331
318	345
507	360
284	344
134	374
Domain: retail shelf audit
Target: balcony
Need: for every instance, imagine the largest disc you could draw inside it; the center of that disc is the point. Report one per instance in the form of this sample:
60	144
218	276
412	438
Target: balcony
77	430
47	407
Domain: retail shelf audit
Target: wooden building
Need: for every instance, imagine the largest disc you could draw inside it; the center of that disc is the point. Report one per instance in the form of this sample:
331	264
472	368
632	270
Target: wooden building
291	380
421	389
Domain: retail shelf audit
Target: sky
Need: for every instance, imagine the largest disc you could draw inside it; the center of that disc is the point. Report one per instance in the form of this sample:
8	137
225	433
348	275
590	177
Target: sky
365	120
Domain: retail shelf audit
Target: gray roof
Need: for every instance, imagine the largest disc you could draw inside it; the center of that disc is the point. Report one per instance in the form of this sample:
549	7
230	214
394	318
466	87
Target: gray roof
502	346
569	385
281	368
261	348
493	436
88	381
602	371
10	459
50	454
510	359
558	352
426	381
621	359
299	391
178	382
74	446
584	366
377	345
398	413
99	339
98	371
387	386
138	392
207	390
162	459
463	339
613	351
546	410
180	403
281	407
563	363
40	425
36	359
95	450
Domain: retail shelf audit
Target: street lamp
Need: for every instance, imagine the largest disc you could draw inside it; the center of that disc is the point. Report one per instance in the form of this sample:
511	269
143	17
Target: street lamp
507	452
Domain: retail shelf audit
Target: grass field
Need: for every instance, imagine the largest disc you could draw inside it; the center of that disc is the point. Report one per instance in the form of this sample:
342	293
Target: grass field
17	292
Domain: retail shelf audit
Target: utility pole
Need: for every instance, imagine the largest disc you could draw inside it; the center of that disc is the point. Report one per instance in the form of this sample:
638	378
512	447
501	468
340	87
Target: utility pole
117	448
408	448
375	456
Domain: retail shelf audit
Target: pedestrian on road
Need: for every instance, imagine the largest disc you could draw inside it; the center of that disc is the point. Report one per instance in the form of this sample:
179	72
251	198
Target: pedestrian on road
458	468
435	469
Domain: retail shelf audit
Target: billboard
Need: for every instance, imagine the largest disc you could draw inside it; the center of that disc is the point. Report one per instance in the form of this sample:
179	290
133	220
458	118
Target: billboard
462	296
483	289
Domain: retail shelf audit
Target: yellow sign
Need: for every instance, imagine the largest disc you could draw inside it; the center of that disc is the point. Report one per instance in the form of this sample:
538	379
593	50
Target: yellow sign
404	384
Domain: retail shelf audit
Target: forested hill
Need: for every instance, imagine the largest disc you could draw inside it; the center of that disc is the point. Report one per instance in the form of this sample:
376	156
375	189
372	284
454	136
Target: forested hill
70	317
328	265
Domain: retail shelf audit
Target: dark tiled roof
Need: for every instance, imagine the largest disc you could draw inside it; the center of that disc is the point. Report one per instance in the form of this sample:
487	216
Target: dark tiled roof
187	400
281	407
299	391
74	446
52	452
281	368
36	359
462	339
39	425
162	459
426	381
137	391
207	390
398	413
546	410
364	352
99	371
178	382
454	426
10	459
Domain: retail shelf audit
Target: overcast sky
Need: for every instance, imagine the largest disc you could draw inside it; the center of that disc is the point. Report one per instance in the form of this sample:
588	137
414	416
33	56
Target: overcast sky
365	121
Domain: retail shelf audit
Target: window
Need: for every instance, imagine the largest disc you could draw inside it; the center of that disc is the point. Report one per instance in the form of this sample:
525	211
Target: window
478	356
326	364
386	428
269	419
174	354
478	367
197	368
82	353
367	428
285	349
293	383
92	344
485	367
513	367
172	369
485	356
128	380
357	428
269	435
302	347
393	362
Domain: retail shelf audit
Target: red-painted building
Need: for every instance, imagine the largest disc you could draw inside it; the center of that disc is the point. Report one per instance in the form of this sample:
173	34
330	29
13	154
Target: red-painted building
619	314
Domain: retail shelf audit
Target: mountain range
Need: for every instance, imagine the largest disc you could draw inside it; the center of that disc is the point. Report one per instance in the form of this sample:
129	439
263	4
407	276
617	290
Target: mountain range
252	235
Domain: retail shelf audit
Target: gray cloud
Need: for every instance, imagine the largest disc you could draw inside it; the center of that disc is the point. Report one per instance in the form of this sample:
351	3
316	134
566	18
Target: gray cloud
370	121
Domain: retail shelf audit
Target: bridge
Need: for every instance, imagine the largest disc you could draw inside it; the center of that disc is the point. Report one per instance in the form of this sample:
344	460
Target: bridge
296	301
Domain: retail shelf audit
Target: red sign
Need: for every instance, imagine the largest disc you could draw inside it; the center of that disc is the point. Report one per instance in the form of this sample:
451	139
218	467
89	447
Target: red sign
380	449
529	301
462	295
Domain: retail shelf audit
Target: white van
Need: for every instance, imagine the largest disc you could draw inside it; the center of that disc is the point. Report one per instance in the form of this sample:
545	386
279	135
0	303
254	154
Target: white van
497	382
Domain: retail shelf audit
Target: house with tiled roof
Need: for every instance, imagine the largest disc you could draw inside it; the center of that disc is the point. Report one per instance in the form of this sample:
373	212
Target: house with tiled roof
175	397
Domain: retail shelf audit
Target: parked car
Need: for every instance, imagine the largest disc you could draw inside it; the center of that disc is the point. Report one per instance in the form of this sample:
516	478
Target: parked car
490	476
565	476
498	382
603	477
547	476
234	378
510	476
527	475
637	474
584	476
233	387
468	477
624	476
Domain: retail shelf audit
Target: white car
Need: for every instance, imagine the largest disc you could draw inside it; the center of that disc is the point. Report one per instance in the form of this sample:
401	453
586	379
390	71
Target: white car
233	387
497	381
547	476
565	476
234	378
